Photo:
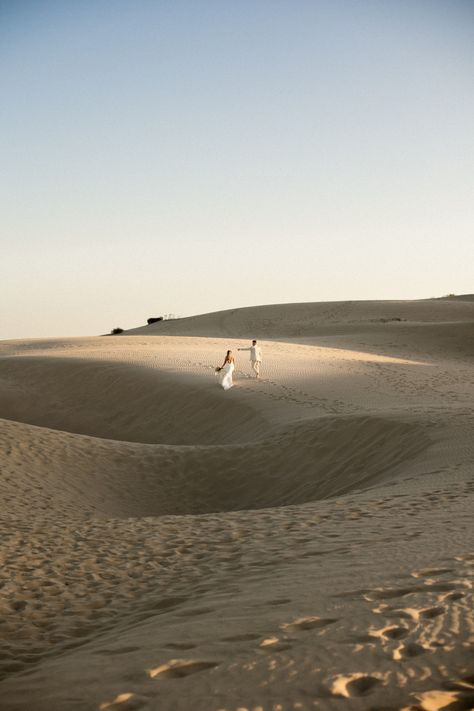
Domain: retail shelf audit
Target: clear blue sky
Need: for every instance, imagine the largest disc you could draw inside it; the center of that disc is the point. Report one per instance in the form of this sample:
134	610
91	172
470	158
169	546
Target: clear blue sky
192	156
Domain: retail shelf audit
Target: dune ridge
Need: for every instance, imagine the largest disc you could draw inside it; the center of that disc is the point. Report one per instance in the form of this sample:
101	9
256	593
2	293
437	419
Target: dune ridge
306	539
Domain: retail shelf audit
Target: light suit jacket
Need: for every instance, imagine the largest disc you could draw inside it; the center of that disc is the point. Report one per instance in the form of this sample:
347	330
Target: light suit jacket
255	352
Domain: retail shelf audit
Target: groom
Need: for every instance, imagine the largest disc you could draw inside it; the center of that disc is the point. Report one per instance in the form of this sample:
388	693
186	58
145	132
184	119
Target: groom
255	357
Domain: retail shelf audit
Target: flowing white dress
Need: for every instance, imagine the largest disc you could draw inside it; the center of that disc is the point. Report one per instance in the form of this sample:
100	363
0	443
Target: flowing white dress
225	376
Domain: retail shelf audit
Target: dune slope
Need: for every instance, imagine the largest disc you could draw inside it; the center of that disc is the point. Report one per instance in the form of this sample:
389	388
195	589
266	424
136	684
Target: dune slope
301	542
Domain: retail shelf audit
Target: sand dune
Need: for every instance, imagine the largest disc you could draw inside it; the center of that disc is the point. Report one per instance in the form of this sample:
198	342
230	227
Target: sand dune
301	542
310	319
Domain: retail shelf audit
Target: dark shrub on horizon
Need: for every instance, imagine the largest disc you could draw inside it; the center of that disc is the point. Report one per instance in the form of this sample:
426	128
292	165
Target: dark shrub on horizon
115	331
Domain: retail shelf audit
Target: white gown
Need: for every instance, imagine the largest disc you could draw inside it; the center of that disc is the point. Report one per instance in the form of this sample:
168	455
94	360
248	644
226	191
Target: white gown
225	376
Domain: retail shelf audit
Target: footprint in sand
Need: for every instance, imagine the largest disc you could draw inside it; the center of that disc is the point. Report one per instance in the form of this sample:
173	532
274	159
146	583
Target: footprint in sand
390	632
428	572
430	613
454	596
125	702
466	558
179	668
388	593
438	699
274	644
409	650
413	613
309	623
354	685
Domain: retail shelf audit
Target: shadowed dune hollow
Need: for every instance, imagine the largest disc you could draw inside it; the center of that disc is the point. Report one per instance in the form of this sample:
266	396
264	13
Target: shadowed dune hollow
156	445
122	402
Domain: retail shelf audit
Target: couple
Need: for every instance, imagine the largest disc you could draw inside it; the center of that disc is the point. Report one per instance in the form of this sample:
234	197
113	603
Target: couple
227	368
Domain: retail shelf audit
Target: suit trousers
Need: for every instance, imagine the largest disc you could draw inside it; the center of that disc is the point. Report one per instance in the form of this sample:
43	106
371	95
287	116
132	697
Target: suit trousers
256	366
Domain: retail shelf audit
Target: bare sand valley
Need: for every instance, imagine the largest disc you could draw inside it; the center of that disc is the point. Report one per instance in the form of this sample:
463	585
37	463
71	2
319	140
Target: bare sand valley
300	542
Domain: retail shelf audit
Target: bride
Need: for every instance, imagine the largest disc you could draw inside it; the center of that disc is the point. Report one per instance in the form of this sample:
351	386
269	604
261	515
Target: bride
226	370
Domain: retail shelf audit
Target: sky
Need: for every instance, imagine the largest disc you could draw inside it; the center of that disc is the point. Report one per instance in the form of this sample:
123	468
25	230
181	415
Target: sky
174	156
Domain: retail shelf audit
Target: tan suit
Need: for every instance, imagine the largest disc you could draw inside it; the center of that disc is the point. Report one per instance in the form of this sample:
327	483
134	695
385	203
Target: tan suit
255	358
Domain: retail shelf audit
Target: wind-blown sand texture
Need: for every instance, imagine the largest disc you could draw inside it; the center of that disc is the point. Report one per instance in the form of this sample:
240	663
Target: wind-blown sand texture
301	542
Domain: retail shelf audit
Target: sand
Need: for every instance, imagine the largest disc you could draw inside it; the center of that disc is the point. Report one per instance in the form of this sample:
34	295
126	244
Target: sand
300	542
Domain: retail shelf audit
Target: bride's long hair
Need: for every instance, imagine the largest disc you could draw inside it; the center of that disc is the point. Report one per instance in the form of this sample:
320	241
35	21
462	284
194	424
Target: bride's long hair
228	357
